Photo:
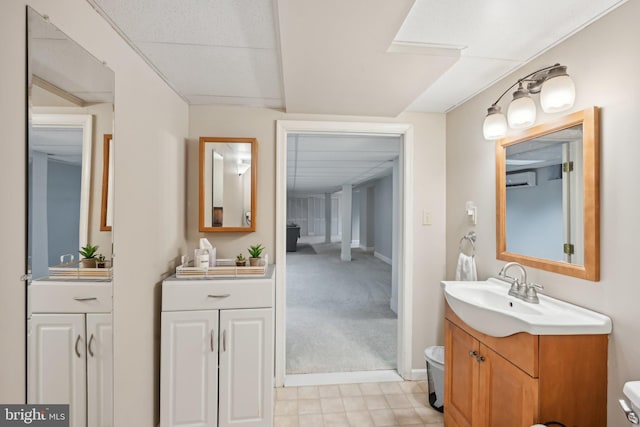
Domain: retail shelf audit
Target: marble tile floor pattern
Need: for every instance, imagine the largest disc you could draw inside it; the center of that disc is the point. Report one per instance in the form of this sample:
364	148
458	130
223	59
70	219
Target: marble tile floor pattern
356	405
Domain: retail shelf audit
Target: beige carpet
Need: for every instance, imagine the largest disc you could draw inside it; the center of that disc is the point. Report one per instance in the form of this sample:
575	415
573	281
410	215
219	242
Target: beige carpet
338	315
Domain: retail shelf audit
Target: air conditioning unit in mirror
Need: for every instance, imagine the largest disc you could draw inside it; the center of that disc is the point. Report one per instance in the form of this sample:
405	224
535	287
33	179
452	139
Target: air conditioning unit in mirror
521	179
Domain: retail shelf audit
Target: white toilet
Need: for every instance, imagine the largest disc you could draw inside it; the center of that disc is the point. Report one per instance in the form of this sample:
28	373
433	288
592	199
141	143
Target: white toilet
631	390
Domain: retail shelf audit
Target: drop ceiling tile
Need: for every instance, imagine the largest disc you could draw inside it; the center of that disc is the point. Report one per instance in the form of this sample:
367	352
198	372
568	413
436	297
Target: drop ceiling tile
275	103
496	28
217	71
239	23
464	80
67	66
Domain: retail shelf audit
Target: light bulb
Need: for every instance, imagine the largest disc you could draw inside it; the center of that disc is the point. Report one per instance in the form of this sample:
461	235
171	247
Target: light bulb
557	94
522	110
495	124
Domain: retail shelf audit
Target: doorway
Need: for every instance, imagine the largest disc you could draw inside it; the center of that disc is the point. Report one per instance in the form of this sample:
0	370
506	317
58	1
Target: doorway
402	246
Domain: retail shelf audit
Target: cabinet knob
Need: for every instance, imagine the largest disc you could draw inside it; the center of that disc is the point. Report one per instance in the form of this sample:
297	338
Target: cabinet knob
473	353
480	358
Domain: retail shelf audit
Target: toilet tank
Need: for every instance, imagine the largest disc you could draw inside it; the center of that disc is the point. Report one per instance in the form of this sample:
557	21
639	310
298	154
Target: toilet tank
631	390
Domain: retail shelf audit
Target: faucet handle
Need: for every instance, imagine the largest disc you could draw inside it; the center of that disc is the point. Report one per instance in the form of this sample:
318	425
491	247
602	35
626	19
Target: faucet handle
531	295
535	286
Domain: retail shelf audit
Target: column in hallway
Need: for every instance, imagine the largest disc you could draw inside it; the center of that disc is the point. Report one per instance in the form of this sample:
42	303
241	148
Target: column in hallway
327	217
345	214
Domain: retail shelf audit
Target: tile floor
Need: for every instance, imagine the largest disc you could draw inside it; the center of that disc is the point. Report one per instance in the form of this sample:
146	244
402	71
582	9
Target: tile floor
356	405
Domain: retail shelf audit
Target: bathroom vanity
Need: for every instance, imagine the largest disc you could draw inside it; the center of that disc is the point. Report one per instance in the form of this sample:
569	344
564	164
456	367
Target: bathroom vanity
523	379
216	360
69	348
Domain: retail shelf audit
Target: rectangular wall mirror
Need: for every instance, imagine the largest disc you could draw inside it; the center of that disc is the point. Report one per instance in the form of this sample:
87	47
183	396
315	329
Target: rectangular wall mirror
228	184
548	196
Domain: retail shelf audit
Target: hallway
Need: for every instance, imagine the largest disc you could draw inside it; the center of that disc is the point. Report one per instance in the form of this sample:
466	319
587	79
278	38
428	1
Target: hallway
338	315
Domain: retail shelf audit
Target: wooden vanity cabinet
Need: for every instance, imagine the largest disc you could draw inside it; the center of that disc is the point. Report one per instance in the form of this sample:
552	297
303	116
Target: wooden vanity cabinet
523	379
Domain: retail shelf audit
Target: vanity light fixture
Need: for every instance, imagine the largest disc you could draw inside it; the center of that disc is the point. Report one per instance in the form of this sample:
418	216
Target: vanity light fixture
243	166
557	93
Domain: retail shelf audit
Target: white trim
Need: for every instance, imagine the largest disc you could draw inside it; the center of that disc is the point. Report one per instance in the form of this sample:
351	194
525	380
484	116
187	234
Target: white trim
382	258
355	377
405	273
418	375
84	121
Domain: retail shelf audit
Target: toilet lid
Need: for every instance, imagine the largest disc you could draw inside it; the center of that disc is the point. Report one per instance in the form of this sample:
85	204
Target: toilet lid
435	353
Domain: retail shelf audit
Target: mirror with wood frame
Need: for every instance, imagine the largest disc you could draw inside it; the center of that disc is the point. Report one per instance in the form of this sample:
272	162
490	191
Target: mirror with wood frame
228	184
548	196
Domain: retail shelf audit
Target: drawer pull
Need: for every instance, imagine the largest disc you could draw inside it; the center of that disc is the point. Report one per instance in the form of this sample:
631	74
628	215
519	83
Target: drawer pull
219	296
89	346
76	347
85	298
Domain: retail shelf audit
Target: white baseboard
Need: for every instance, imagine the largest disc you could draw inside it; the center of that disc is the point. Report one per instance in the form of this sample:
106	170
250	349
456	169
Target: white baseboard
341	378
382	257
418	375
367	248
355	244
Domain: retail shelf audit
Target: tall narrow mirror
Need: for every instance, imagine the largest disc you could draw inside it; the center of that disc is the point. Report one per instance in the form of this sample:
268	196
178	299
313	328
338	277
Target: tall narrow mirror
547	194
69	316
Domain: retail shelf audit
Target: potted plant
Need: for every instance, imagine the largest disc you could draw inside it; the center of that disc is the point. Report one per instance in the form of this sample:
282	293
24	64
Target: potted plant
241	261
255	252
101	261
88	256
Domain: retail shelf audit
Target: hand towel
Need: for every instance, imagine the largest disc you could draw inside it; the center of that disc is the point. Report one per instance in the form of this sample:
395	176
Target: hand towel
466	269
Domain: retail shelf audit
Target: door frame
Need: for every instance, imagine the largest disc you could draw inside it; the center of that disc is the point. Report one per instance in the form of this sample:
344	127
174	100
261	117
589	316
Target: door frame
405	252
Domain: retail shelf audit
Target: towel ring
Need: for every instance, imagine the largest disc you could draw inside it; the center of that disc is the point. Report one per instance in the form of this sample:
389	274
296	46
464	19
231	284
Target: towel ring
470	237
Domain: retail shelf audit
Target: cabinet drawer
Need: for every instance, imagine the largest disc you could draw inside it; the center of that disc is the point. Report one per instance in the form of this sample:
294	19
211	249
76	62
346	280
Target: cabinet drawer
218	294
65	297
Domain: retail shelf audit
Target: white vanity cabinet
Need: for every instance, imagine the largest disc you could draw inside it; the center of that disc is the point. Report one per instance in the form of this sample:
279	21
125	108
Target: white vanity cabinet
216	360
70	349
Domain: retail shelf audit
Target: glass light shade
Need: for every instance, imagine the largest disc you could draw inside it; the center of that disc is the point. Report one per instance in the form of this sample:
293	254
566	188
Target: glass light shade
557	94
521	113
495	126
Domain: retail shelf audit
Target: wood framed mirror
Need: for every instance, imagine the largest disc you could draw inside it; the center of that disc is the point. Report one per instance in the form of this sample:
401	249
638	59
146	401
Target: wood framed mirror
228	184
106	209
548	196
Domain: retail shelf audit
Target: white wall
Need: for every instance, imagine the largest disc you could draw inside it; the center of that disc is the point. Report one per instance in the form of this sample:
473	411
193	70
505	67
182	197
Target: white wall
604	61
150	129
429	167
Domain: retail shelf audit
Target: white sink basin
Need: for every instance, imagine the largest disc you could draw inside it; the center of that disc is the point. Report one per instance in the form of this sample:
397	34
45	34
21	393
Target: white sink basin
486	307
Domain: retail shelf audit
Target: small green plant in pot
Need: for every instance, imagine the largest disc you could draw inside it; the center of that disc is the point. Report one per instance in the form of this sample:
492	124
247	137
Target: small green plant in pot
88	256
101	261
241	261
255	252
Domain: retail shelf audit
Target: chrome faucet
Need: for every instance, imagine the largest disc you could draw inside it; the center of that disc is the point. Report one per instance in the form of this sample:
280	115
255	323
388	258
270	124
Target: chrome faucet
518	287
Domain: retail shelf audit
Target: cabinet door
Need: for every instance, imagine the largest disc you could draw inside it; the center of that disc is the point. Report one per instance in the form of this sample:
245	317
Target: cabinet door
189	369
246	367
508	396
56	363
99	370
461	377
